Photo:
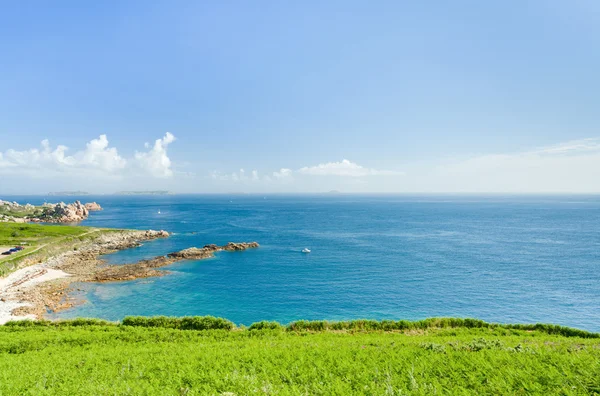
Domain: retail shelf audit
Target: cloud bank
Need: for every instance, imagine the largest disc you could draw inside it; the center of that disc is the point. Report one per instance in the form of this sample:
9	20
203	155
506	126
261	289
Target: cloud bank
344	168
97	158
572	166
568	167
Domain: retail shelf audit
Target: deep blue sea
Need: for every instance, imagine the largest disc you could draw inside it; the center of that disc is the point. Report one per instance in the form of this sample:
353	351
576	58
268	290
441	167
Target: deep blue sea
498	258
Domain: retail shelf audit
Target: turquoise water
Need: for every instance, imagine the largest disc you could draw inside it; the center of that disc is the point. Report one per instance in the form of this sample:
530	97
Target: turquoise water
502	259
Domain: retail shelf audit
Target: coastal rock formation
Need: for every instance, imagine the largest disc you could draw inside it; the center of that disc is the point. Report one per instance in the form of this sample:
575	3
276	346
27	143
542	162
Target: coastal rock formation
78	264
47	213
147	268
12	219
70	213
63	213
194	253
82	262
15	205
93	207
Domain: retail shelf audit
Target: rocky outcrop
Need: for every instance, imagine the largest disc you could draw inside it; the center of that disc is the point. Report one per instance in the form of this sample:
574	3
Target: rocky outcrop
15	205
231	246
84	264
82	261
63	213
194	253
147	268
47	213
14	212
12	219
93	206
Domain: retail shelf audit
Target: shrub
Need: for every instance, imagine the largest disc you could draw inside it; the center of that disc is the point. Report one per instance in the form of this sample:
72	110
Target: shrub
266	325
59	323
184	323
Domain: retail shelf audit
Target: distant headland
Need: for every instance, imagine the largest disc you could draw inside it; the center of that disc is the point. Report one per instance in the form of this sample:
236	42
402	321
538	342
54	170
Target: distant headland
157	192
67	193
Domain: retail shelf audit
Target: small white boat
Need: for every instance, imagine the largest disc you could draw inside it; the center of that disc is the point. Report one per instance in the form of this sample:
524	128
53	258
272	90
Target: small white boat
159	211
305	250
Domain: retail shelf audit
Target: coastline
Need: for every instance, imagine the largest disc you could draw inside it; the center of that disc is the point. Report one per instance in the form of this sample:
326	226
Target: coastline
32	291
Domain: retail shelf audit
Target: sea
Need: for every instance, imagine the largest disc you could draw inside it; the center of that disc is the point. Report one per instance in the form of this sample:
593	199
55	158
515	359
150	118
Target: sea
507	259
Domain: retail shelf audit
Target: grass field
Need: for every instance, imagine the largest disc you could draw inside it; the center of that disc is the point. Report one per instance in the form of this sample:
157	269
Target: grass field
41	241
168	357
35	234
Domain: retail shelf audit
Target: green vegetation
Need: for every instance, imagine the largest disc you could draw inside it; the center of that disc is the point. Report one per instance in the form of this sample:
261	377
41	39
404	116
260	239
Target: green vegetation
41	241
21	211
35	234
206	355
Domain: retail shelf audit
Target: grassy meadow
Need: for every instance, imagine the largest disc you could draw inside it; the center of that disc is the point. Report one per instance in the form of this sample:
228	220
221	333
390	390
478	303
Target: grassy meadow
41	241
35	234
210	356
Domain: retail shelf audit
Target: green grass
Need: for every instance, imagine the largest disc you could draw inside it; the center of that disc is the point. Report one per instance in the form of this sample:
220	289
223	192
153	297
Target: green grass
168	356
35	234
41	242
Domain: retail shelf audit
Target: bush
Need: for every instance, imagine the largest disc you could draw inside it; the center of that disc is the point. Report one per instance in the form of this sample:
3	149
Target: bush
59	323
266	325
185	323
213	323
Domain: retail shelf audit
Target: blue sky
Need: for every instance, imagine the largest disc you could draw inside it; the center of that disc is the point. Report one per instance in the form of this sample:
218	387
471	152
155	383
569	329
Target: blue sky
402	91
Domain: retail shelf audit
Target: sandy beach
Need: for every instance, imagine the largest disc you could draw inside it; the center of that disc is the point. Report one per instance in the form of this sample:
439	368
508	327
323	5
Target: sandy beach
21	281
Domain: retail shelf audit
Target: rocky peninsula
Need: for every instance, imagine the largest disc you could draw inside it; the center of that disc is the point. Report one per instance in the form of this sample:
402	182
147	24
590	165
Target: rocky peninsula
37	289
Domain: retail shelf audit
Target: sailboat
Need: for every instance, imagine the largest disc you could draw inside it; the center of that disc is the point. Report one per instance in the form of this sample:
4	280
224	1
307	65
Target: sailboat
158	211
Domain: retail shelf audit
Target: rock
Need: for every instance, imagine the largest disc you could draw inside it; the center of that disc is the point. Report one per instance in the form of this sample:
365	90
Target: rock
147	268
93	206
240	246
63	213
194	253
151	234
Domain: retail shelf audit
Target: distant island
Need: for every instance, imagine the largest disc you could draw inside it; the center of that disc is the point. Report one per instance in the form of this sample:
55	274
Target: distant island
157	192
67	193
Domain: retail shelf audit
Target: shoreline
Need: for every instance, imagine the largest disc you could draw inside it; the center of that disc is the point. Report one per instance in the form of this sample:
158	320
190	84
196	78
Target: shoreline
33	291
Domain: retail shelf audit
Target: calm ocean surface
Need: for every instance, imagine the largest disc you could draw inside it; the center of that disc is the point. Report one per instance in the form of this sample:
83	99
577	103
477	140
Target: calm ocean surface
501	259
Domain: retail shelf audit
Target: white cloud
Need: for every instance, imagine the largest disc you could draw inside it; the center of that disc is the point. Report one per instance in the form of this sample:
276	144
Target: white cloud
344	168
572	147
156	161
98	155
567	167
237	176
286	175
282	174
97	158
